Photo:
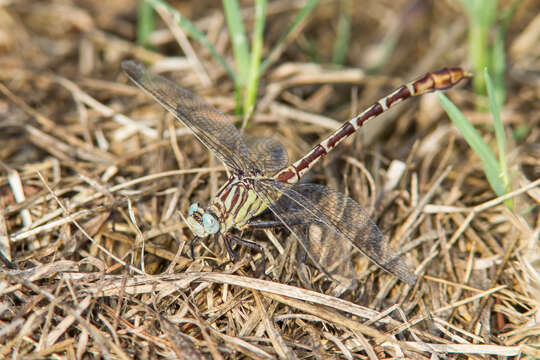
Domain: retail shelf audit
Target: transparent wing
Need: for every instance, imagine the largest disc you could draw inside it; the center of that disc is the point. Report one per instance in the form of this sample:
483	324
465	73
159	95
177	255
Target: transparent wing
337	215
332	252
213	128
267	152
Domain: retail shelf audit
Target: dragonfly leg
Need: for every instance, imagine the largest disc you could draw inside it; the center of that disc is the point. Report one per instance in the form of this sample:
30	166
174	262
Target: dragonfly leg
190	245
271	224
227	240
230	237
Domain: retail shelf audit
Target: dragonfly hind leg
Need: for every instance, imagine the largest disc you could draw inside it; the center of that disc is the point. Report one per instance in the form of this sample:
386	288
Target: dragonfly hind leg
271	224
228	238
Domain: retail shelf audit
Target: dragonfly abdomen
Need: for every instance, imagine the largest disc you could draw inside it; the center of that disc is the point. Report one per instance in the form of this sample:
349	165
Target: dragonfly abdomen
437	80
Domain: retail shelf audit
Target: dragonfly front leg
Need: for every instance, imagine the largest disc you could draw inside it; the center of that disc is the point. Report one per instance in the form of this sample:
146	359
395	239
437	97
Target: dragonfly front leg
227	238
190	245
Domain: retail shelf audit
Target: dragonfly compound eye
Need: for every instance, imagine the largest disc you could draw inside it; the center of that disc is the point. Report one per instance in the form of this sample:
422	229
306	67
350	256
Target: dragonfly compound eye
196	227
193	207
211	225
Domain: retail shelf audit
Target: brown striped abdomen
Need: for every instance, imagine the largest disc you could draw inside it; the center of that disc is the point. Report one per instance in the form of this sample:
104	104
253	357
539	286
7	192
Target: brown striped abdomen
438	80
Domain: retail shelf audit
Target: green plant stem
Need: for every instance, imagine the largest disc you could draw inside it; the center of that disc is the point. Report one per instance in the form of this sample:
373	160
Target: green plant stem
482	17
192	31
145	22
478	49
233	16
339	52
298	19
256	53
475	141
494	107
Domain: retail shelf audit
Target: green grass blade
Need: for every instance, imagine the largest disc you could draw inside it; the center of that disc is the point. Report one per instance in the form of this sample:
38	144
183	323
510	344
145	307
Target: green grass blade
499	130
491	166
145	22
498	67
495	113
298	19
239	41
192	31
339	52
256	53
498	53
482	16
237	32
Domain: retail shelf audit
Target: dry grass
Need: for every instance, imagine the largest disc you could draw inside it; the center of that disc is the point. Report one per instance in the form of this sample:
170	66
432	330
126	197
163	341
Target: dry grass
94	262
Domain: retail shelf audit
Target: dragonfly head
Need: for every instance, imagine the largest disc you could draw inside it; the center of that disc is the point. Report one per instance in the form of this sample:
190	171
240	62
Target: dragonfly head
202	223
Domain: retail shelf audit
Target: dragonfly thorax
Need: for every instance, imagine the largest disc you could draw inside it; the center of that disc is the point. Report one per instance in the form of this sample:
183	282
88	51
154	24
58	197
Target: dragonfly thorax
202	223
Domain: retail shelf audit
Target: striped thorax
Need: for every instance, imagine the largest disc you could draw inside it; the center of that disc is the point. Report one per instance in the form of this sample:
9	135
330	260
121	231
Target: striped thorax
234	205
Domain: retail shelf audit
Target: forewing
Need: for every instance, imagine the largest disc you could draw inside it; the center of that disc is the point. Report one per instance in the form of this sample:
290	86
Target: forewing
213	128
268	153
338	215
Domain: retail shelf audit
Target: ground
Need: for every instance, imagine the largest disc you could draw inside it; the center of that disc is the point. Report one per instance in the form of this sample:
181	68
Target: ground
95	177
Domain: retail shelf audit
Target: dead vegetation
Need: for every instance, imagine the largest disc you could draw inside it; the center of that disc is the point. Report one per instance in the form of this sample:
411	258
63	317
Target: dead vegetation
93	175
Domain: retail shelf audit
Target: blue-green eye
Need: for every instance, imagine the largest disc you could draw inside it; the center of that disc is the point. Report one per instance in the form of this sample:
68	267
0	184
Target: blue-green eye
210	223
192	208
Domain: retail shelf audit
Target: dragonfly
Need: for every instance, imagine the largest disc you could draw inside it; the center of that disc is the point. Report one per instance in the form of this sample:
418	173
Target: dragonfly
261	178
